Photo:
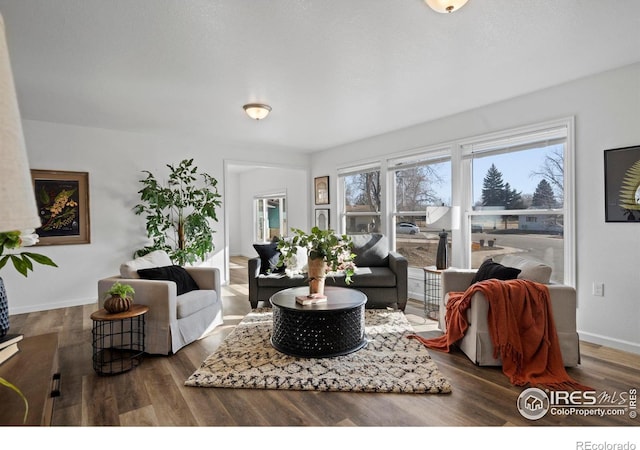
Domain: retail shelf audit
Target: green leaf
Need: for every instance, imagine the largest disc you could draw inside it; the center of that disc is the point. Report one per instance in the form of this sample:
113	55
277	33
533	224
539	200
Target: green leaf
20	265
40	259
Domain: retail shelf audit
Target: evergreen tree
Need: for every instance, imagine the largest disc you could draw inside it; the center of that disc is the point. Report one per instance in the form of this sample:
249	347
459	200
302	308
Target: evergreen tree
543	197
512	198
493	188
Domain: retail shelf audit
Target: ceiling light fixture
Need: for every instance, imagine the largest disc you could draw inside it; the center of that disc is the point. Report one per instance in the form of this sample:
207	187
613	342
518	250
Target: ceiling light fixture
445	6
257	111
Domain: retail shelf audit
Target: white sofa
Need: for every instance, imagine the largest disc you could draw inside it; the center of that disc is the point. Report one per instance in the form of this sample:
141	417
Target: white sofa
173	320
477	344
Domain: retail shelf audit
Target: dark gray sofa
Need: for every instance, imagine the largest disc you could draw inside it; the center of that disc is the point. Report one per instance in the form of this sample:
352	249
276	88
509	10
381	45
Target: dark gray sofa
382	275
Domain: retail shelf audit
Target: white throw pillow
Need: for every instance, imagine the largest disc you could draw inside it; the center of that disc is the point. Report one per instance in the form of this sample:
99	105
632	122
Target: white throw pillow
530	270
296	263
157	258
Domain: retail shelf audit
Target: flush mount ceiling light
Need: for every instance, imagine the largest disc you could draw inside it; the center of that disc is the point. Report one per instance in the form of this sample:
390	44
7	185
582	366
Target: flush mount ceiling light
445	6
257	111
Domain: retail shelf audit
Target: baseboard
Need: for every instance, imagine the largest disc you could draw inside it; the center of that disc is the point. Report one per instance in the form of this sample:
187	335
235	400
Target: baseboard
47	306
418	295
617	344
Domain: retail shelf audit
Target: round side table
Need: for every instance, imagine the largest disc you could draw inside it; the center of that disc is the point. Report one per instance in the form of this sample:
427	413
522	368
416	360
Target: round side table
118	339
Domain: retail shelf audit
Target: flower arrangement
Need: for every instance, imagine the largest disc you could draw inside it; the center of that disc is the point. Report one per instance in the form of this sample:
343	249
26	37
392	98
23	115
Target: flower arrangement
325	244
23	261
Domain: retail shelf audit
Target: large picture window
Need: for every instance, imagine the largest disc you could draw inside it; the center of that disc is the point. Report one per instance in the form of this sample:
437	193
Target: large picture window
518	198
505	193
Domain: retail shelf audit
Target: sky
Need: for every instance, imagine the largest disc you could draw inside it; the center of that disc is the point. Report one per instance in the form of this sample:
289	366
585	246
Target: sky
516	169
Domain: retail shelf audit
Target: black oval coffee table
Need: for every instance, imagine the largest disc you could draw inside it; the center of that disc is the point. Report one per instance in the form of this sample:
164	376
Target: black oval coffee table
322	330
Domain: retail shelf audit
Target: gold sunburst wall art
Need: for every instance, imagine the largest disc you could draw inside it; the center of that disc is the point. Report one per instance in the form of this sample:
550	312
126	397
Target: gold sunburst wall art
622	184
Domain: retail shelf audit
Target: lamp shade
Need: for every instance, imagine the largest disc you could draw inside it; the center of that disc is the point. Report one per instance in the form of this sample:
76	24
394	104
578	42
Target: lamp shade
257	111
443	217
17	200
446	6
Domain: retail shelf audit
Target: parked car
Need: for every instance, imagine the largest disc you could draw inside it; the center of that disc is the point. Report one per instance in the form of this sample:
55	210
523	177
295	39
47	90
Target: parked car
555	229
407	228
476	228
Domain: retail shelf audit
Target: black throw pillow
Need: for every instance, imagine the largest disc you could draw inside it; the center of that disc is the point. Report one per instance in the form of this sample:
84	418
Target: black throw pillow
178	274
490	269
269	257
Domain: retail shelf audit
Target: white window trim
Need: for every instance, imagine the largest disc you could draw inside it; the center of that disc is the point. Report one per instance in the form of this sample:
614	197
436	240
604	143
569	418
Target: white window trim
461	189
546	131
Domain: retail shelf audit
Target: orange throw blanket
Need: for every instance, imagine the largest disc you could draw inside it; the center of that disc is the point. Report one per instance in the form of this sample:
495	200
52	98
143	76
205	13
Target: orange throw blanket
522	330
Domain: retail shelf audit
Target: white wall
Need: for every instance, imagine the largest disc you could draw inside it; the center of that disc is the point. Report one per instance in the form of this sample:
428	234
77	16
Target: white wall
606	108
114	161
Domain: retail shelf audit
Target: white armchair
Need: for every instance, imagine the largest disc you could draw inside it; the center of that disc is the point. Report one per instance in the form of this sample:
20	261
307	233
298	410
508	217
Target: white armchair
477	343
173	320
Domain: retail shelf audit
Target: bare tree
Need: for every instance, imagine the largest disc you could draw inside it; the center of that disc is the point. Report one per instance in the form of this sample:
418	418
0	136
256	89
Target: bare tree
415	188
552	170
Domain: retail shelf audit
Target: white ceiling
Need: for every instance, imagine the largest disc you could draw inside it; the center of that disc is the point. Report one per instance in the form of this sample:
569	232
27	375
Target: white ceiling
334	71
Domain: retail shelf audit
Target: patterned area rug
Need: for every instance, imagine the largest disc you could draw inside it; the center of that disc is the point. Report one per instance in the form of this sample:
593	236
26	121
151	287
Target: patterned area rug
389	363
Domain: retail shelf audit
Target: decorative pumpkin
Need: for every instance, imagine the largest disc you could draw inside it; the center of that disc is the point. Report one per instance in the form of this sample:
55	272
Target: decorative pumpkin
117	304
120	299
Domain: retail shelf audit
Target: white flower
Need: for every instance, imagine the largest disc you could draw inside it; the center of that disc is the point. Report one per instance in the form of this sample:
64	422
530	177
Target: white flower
28	238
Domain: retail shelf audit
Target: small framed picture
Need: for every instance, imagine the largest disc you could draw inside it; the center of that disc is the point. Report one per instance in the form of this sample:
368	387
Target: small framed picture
322	219
321	185
622	184
62	199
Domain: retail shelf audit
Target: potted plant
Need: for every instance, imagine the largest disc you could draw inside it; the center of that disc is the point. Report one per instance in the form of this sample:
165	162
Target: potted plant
326	251
178	214
119	298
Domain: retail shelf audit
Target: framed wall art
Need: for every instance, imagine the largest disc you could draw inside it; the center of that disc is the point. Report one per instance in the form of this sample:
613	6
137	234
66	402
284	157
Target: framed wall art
322	219
62	199
622	184
321	189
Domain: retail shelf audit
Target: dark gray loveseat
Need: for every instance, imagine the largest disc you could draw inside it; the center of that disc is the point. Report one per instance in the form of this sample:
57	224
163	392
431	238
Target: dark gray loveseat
381	275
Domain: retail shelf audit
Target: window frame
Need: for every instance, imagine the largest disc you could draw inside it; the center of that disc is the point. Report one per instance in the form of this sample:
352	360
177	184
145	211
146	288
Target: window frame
356	170
419	157
514	140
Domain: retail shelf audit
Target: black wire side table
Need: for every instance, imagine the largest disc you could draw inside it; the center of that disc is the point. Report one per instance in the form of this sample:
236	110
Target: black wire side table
432	292
118	340
323	330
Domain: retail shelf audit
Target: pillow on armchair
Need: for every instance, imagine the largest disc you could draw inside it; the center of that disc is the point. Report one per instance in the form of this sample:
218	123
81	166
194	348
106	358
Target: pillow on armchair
157	258
179	275
490	269
530	269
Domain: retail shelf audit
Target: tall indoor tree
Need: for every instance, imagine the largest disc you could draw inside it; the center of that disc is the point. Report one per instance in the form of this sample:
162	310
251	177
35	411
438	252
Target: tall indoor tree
179	214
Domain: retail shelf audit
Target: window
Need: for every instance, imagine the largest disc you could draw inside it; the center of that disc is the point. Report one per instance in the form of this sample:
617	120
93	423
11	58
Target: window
422	205
507	192
518	193
270	217
362	200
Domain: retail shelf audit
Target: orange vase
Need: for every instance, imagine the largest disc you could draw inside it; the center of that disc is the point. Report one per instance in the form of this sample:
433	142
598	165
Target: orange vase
317	271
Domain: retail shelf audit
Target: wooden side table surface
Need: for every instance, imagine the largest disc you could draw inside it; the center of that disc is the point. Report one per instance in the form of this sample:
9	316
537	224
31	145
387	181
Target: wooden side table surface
33	370
134	310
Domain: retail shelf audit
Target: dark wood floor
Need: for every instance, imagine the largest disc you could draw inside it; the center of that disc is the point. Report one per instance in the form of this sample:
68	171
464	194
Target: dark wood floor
153	394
